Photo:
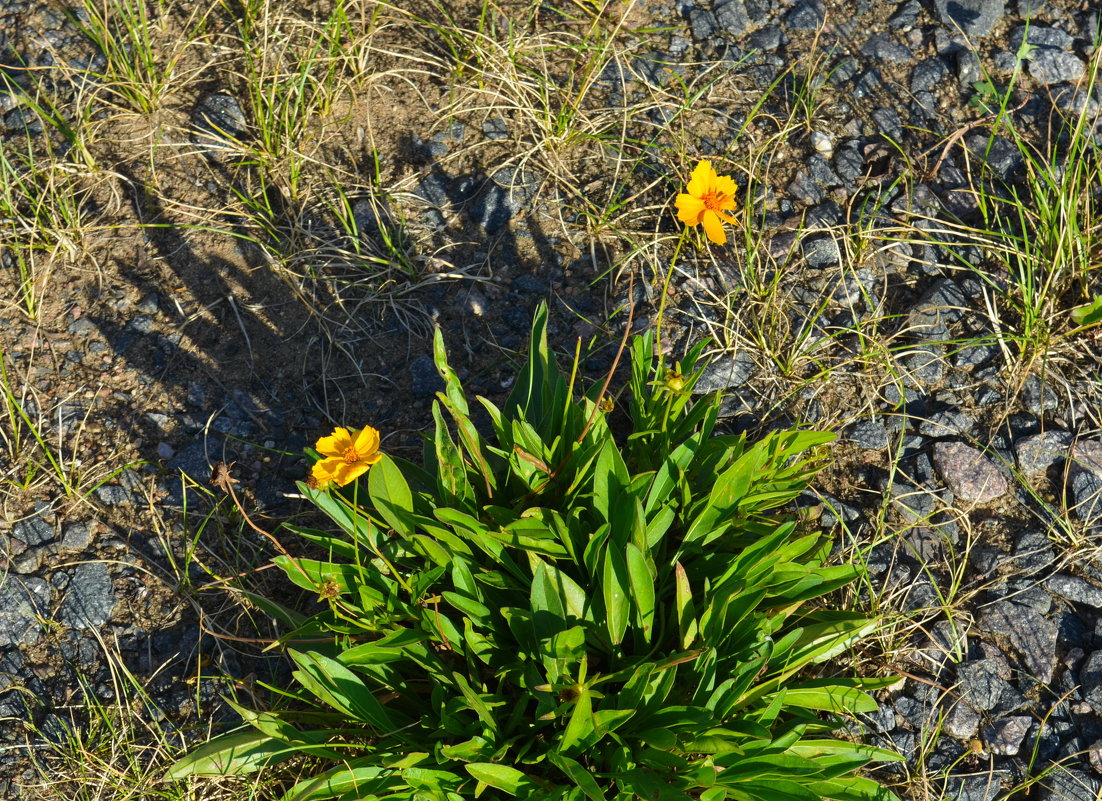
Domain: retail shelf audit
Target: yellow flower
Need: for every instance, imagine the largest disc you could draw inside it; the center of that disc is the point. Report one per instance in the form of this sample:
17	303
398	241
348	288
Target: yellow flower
709	196
346	455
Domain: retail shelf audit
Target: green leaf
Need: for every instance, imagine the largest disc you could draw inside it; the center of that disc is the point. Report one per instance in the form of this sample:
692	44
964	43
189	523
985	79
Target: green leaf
231	755
829	698
335	685
614	584
642	588
580	723
577	774
391	495
686	611
1089	314
472	609
501	777
366	780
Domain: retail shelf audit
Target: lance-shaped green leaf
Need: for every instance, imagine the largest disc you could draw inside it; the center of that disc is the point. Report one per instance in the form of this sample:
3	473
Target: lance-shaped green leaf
686	610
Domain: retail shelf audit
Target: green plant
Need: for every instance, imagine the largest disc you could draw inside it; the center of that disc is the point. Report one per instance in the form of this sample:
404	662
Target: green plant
552	615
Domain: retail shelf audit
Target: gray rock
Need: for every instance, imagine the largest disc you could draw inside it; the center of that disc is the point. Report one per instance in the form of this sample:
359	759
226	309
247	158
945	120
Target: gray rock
928	74
821	251
961	722
1004	737
1085	489
76	536
982	787
968	68
725	372
1039	397
767	39
1050	66
34	531
1068	784
1033	553
219	123
11	665
950	422
90	597
941	306
973	17
869	434
1086	454
112	495
821	173
971	356
925	366
806	15
883	47
804	189
982	684
1028	631
425	381
969	474
1039	452
495	128
1040	36
889	123
433	188
731	17
24	601
849	163
702	23
905	16
1075	590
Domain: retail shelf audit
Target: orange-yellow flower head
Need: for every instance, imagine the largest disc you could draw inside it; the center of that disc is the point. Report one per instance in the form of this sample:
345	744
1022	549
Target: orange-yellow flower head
707	197
346	455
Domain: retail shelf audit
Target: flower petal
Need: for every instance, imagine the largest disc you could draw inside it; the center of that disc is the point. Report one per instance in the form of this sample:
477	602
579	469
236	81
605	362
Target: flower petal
335	444
702	180
725	185
689	209
345	473
714	228
367	441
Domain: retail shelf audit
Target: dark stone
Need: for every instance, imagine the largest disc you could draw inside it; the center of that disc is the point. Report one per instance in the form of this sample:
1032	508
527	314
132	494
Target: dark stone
1004	737
703	23
1068	784
926	365
950	422
961	722
767	39
11	668
905	16
90	597
821	251
883	47
1085	490
34	531
888	123
849	163
1039	452
425	381
24	602
112	495
821	173
804	189
1040	36
434	189
806	15
928	74
1033	552
1049	66
1028	631
219	122
941	306
974	17
982	684
725	372
869	434
731	17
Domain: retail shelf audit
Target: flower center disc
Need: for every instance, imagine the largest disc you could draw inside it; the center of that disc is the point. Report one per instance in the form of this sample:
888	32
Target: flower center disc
351	456
712	201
